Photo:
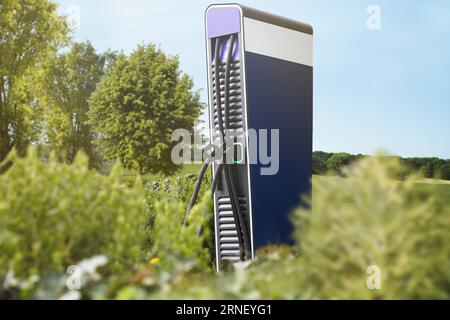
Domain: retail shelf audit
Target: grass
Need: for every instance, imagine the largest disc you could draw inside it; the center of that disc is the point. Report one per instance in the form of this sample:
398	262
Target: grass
434	181
193	168
129	175
440	188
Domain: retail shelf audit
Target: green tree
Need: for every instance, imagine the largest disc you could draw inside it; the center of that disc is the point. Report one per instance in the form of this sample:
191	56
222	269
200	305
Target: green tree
72	78
30	32
338	160
427	170
320	159
135	109
445	171
437	163
53	215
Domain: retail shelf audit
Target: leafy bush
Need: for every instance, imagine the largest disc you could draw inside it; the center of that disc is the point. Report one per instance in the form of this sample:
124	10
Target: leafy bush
174	243
53	215
369	219
363	219
175	188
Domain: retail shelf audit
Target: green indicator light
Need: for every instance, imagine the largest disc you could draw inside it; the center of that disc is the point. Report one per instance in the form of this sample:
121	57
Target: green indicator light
238	153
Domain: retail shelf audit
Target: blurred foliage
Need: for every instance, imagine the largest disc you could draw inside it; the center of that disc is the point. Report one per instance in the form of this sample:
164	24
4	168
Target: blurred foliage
53	215
368	218
174	243
364	218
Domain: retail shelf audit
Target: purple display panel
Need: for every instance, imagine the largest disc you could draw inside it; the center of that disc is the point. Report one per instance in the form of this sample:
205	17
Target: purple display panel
223	21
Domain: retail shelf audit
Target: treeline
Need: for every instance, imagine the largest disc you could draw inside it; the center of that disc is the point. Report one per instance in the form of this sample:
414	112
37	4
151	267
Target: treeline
327	162
65	97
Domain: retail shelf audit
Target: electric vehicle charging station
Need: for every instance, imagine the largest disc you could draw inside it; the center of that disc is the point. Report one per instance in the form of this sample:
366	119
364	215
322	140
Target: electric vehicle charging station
260	76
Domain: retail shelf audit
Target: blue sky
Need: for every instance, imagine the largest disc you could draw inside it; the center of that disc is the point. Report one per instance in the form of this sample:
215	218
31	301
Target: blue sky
386	88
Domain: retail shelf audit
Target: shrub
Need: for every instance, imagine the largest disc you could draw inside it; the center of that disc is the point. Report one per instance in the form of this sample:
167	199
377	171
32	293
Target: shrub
362	219
368	218
53	215
365	218
175	189
175	244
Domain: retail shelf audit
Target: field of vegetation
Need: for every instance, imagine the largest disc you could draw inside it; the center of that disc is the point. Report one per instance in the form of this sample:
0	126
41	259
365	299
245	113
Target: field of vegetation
128	242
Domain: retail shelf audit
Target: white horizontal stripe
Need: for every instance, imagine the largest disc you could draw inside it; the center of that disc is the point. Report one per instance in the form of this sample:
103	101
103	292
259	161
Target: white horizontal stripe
278	42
